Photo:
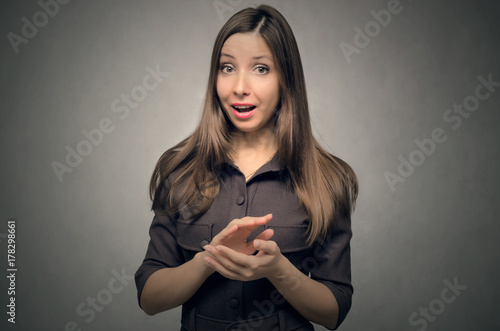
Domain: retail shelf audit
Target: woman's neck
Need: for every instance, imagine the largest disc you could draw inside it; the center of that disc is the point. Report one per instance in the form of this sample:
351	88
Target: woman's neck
252	150
262	142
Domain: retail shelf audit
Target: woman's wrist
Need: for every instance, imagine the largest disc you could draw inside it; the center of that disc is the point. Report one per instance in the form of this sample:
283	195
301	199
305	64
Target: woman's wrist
199	259
282	270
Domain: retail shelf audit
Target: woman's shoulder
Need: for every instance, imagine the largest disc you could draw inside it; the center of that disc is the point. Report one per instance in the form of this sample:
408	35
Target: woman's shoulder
340	172
334	162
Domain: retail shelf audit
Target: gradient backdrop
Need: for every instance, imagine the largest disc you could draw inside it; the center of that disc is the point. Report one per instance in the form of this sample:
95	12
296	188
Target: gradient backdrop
425	245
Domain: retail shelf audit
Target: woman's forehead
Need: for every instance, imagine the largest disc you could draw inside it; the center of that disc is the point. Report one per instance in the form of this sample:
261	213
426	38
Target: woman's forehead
246	44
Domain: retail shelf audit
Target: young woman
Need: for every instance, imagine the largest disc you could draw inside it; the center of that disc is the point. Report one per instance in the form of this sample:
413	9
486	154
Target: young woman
252	217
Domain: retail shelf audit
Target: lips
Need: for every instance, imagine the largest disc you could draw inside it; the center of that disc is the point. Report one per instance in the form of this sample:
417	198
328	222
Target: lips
243	110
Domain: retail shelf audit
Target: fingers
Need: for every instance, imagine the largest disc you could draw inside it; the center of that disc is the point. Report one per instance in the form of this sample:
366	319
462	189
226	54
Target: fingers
263	219
239	266
250	221
217	266
236	233
266	247
226	261
229	230
265	235
225	233
227	257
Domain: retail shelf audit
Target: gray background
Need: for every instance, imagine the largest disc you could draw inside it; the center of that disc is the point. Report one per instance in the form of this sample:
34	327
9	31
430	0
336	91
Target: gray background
439	224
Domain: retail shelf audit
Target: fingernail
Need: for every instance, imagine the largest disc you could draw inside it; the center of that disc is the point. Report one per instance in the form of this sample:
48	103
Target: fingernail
207	259
206	247
256	243
218	248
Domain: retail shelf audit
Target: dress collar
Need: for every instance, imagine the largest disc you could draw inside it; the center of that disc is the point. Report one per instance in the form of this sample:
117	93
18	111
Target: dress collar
272	166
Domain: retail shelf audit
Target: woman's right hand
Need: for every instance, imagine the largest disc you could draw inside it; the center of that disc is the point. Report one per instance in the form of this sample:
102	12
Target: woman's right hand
170	287
236	234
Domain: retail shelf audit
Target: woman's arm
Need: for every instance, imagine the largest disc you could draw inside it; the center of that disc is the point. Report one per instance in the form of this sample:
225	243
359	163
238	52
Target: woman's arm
170	287
312	299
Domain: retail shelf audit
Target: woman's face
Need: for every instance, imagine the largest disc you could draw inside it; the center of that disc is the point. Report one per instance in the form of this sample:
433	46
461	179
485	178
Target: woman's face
247	82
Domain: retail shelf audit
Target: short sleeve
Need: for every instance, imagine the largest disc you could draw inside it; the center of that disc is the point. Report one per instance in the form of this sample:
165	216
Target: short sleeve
334	266
163	250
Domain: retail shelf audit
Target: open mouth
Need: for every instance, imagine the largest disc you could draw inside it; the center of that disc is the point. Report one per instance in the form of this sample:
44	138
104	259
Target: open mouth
243	110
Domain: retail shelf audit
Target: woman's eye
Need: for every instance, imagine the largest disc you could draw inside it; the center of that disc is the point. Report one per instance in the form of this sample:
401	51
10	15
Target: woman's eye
226	69
262	70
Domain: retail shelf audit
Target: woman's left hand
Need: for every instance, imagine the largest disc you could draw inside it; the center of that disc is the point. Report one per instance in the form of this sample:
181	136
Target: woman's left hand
239	266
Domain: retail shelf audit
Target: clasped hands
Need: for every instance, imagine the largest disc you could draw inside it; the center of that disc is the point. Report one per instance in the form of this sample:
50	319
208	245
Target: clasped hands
230	254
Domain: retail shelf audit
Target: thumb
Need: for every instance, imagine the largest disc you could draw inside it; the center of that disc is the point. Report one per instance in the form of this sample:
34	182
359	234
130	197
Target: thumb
265	246
265	235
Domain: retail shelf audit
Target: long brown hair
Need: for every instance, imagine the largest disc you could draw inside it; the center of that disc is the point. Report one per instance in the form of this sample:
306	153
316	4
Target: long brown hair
326	185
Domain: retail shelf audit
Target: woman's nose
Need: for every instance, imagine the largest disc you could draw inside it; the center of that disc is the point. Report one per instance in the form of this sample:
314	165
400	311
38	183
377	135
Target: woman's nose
241	86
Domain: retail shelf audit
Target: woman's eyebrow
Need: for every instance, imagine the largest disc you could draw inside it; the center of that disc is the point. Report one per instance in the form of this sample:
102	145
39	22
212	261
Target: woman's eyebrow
254	58
262	57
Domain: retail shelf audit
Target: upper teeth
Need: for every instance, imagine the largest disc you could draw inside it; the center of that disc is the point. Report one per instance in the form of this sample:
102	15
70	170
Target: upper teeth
242	107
